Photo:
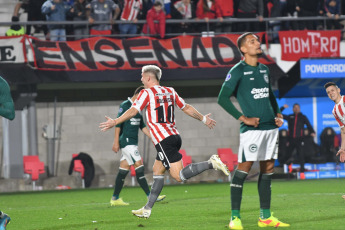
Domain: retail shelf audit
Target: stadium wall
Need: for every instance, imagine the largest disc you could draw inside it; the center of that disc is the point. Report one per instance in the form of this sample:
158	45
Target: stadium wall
80	133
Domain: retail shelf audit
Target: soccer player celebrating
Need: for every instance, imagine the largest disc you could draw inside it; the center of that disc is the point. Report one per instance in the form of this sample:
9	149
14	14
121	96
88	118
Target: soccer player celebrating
126	138
333	93
249	82
6	111
160	102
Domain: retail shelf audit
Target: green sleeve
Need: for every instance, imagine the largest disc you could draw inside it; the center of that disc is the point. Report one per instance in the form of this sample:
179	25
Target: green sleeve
142	123
7	110
226	92
6	101
122	109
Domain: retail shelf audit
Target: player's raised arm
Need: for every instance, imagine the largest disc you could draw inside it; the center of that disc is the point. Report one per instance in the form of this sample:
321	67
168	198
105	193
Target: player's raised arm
191	111
112	122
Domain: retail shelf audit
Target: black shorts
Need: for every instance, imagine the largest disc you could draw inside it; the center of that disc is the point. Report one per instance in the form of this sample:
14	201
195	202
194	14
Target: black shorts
167	150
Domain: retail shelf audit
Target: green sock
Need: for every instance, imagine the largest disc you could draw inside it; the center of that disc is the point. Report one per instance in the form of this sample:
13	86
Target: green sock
264	188
236	192
139	172
265	213
120	180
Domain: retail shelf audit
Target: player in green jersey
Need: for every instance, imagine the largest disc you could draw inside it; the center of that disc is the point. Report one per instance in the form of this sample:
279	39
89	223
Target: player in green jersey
126	139
260	118
6	111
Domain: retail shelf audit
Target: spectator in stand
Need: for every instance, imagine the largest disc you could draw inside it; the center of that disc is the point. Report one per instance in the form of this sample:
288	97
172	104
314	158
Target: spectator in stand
309	8
183	9
227	12
15	30
288	9
33	9
208	9
272	10
80	12
55	11
155	14
102	10
333	10
296	122
130	12
250	9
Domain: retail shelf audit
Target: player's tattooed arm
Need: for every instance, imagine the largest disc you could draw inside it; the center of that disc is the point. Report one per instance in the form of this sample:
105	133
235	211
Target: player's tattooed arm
191	111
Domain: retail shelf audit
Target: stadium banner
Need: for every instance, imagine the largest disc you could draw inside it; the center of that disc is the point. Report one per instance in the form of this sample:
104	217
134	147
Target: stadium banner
309	43
101	53
322	68
12	49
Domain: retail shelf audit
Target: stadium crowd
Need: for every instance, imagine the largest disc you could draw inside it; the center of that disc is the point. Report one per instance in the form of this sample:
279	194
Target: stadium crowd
157	12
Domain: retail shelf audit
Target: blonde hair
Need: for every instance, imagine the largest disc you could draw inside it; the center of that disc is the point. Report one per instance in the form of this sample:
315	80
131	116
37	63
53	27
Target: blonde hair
155	70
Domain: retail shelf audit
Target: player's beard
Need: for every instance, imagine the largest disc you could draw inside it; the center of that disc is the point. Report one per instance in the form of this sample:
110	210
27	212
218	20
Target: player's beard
259	55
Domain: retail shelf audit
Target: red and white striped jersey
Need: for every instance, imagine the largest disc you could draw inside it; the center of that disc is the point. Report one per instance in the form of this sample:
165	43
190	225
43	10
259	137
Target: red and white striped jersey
160	102
339	112
131	9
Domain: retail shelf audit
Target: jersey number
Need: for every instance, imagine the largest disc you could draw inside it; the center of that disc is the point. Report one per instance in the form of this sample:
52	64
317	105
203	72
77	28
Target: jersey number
162	118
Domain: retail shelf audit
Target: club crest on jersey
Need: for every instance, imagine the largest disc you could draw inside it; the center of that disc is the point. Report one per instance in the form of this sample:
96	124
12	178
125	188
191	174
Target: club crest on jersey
253	148
228	77
266	78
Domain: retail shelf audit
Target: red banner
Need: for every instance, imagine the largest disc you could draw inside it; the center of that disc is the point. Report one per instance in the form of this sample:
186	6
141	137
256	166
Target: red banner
100	53
304	44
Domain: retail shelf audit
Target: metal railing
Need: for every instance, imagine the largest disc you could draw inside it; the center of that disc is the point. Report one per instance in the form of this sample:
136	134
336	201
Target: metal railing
268	23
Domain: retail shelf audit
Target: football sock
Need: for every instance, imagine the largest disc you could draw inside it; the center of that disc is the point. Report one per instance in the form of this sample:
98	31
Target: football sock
264	188
139	172
120	180
236	188
157	186
194	169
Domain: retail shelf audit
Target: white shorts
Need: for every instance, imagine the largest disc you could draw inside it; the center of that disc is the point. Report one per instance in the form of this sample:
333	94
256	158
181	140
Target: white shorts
131	154
258	145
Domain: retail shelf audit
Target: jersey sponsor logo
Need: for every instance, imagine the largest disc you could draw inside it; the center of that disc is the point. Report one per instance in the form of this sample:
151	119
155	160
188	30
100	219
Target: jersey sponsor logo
263	71
163	94
228	77
253	148
160	155
135	121
252	79
266	78
247	73
259	93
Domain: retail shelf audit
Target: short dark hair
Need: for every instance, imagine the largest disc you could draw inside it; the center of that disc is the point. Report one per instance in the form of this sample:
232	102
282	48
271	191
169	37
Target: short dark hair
157	3
328	84
137	90
295	105
241	39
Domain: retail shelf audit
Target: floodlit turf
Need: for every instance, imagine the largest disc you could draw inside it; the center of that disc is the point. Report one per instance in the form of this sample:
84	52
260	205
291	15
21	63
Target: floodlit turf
313	204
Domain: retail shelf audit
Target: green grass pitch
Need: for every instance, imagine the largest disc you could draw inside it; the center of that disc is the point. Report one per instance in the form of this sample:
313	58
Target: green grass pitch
313	204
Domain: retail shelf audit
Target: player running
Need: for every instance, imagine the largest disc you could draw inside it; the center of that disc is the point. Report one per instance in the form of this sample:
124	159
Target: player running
160	102
6	111
126	139
333	93
249	82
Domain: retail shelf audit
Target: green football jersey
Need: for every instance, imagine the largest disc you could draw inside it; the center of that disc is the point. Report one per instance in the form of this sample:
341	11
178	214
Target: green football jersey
6	102
251	86
129	129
